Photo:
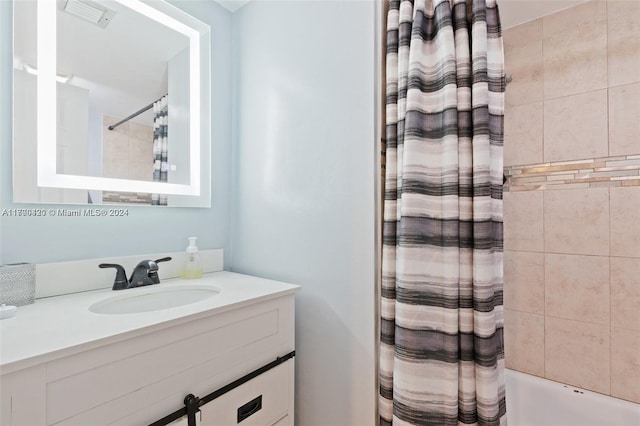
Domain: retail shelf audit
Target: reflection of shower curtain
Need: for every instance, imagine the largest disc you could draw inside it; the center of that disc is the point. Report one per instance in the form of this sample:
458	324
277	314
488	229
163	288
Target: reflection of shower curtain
442	350
160	155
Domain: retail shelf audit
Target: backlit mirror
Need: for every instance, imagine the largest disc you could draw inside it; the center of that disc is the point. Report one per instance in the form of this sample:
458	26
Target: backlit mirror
111	103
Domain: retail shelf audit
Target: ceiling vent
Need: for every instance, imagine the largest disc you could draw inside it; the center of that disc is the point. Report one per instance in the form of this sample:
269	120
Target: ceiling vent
89	11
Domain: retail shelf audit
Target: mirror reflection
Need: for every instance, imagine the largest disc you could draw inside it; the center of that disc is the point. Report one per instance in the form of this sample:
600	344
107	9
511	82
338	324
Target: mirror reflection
122	108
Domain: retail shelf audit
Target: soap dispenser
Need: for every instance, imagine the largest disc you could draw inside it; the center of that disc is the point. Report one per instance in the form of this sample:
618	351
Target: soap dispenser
193	265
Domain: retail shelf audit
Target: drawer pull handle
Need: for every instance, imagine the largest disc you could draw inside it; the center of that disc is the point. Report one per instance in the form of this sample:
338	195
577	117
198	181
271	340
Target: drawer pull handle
249	408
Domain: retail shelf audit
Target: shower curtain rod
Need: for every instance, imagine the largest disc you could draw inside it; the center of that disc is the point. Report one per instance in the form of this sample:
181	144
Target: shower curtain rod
135	114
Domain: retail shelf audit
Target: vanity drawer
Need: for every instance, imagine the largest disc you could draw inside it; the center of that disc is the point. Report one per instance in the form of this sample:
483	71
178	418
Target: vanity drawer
262	401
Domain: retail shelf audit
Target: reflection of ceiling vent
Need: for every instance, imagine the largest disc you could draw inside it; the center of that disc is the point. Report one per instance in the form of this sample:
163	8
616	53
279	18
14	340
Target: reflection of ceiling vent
89	11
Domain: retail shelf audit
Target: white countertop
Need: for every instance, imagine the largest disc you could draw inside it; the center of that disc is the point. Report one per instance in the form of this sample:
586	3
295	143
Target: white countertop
55	327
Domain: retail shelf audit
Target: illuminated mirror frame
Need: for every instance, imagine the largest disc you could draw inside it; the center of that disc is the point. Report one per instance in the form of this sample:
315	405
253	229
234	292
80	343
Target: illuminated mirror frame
47	175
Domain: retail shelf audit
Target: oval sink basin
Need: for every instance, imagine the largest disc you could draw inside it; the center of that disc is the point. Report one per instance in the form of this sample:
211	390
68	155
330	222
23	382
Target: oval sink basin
152	299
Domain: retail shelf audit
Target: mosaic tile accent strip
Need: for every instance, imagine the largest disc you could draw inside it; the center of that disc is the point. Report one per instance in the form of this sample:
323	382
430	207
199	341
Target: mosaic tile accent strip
591	173
110	197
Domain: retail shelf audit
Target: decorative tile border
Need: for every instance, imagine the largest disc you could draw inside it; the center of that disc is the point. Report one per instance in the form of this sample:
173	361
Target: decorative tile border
591	173
111	197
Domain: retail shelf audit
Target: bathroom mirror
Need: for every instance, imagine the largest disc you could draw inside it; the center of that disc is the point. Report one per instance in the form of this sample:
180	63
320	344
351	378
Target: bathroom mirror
111	103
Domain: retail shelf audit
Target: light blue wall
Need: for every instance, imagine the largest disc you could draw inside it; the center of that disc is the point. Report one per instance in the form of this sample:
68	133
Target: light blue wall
146	229
304	208
303	186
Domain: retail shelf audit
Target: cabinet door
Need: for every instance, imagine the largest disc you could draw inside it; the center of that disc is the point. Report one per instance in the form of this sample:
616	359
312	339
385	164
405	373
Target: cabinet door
22	396
262	401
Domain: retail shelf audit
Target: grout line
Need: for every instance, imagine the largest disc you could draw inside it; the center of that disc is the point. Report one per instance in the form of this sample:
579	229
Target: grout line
610	298
608	114
525	251
610	332
544	286
576	254
526	312
577	320
621	257
606	87
633	330
606	65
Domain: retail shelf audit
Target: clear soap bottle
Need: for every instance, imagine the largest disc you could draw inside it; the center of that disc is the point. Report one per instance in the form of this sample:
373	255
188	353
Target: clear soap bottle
193	265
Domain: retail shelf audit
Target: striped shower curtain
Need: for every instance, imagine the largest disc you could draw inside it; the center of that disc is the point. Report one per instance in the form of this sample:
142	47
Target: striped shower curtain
442	350
160	146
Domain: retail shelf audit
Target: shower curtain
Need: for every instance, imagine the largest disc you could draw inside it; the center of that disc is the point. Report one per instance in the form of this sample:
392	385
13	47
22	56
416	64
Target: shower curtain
442	350
160	146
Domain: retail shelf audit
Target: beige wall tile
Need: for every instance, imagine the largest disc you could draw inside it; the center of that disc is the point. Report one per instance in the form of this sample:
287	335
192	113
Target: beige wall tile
575	127
523	217
127	150
523	61
576	221
108	120
116	169
623	41
523	133
115	154
578	353
115	144
582	14
577	287
524	342
625	221
141	171
142	131
624	119
625	364
575	50
625	292
140	150
524	281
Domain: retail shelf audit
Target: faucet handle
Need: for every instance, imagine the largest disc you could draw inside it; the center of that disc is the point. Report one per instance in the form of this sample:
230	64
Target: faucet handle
153	271
146	272
151	265
120	282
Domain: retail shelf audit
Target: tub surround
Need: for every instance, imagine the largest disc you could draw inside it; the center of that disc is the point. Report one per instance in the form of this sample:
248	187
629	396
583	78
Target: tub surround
572	210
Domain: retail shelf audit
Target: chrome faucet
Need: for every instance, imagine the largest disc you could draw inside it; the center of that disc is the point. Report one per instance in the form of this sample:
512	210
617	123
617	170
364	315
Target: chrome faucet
145	273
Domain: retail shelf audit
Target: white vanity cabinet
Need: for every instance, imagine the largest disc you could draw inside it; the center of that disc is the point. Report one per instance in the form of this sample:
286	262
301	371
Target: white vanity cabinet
143	375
